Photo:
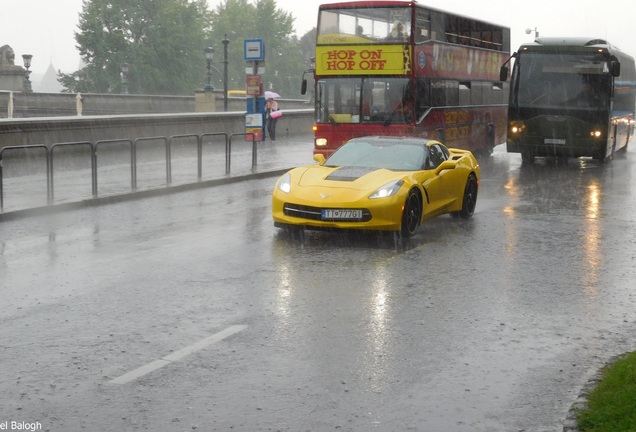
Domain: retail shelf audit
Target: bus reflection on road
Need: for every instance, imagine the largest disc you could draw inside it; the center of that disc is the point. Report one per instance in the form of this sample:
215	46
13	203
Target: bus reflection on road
565	191
591	202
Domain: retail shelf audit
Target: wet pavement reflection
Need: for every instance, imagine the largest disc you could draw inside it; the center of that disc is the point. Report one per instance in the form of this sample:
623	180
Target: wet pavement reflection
488	324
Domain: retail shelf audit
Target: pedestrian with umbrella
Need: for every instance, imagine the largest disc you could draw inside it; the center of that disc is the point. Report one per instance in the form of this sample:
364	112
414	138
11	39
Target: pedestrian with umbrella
272	114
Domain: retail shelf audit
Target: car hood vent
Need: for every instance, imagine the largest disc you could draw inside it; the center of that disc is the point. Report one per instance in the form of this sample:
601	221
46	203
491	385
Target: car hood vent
349	173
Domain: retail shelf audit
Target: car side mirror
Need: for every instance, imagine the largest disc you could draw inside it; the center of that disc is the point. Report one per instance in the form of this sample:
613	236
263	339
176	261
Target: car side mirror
320	158
303	87
503	73
615	67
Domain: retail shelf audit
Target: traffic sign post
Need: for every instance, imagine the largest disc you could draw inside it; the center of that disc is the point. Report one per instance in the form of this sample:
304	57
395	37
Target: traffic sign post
254	52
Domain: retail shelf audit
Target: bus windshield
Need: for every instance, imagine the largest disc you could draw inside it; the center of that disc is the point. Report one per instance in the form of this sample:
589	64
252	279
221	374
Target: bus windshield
364	100
561	80
363	25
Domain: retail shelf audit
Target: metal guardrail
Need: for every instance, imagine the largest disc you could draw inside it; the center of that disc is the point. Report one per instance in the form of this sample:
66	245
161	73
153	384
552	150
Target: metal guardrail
168	142
48	169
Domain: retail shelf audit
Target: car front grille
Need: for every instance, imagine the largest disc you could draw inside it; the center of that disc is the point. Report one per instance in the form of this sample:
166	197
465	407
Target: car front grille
315	213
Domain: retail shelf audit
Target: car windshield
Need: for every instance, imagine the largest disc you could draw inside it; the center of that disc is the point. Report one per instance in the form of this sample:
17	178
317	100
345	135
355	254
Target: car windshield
390	154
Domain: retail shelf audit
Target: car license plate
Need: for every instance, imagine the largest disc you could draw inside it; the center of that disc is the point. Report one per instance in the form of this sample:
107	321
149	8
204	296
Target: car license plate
341	214
554	141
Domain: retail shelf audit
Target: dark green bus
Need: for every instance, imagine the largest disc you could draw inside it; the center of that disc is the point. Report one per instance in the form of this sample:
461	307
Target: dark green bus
570	97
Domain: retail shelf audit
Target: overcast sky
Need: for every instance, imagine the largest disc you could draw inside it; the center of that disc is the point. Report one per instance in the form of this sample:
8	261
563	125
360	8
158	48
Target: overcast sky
45	28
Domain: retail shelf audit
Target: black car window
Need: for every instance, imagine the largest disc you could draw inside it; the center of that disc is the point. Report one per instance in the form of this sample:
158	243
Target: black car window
436	156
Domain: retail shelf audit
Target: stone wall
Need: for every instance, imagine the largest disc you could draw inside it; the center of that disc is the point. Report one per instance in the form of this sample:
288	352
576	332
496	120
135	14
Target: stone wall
65	104
52	130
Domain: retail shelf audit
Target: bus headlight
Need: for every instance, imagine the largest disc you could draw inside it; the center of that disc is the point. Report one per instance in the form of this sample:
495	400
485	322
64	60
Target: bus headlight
321	142
517	127
596	134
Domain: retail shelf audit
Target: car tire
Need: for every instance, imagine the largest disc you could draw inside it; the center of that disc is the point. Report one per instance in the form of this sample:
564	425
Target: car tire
469	200
412	214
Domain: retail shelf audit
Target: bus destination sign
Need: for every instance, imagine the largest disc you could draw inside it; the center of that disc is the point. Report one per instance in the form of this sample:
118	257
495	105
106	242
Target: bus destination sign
378	60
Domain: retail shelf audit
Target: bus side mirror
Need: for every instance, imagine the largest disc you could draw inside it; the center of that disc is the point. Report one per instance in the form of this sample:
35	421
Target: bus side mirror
615	67
303	87
503	73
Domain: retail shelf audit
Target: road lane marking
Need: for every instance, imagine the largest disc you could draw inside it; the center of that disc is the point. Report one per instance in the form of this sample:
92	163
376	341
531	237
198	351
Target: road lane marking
177	355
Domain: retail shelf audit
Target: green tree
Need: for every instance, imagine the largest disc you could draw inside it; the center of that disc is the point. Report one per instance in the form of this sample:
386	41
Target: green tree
231	18
162	41
240	20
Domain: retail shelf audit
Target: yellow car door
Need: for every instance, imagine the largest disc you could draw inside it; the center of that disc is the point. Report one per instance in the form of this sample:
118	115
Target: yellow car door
440	184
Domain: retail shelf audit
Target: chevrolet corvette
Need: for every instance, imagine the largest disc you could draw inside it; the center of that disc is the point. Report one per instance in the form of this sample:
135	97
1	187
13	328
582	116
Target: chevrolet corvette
378	183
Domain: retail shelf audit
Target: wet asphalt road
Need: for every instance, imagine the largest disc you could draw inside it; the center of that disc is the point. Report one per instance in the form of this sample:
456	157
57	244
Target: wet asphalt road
190	311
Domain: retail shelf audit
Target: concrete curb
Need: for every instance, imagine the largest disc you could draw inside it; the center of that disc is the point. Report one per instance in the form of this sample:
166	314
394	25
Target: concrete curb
145	193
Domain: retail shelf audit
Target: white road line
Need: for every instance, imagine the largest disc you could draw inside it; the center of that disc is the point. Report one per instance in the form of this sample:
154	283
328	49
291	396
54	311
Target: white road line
177	355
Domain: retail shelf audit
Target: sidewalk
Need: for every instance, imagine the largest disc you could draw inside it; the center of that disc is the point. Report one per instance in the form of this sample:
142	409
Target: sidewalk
24	179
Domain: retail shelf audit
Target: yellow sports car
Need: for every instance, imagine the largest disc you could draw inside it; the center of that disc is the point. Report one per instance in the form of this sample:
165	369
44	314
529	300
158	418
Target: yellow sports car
378	183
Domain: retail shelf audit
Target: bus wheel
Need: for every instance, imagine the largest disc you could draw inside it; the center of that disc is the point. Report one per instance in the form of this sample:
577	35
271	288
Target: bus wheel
411	215
602	158
527	157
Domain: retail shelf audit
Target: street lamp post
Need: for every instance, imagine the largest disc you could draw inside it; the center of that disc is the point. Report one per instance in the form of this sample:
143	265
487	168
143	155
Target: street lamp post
124	76
209	55
226	41
26	58
536	32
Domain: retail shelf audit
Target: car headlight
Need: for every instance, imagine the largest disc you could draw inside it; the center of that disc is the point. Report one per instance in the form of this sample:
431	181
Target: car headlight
321	142
284	184
387	190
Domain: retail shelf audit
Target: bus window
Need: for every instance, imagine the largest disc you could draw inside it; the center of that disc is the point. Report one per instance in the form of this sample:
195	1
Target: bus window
422	25
352	100
498	94
465	93
444	93
422	97
438	94
548	80
338	101
478	92
451	93
363	25
438	25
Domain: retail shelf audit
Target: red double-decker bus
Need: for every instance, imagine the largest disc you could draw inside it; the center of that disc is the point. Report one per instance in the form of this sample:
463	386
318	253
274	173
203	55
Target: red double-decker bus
402	69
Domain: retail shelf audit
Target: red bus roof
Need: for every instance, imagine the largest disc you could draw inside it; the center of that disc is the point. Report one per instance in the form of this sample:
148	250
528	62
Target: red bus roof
397	3
378	3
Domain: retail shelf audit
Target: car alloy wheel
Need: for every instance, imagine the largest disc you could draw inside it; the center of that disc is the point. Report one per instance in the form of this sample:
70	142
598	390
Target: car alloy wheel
412	214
